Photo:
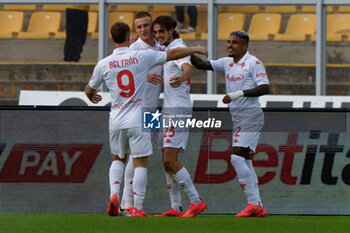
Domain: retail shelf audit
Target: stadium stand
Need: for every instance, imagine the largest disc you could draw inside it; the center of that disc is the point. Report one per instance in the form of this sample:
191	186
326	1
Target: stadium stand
42	25
227	22
54	7
164	8
264	26
344	9
19	7
312	9
11	23
280	9
338	27
92	26
299	28
132	8
244	9
126	17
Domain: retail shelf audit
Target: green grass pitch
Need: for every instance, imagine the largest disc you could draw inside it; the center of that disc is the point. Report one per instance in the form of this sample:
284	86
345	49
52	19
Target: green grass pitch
204	223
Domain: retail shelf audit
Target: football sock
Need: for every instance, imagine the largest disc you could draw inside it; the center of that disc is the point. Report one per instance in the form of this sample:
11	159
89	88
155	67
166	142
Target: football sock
183	178
174	191
245	178
139	186
128	191
115	176
251	168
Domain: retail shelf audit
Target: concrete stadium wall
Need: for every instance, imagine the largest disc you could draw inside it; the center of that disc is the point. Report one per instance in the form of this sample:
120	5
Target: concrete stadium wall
58	161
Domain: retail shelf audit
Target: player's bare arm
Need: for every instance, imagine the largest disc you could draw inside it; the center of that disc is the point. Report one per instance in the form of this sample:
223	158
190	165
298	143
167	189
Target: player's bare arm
200	63
92	94
174	54
154	78
177	80
255	92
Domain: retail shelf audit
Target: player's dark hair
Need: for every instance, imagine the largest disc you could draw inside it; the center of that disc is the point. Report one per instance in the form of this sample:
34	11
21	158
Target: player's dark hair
120	32
142	14
241	34
168	23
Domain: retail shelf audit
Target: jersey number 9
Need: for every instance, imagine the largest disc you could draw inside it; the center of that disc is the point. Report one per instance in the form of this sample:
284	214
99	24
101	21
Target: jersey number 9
129	89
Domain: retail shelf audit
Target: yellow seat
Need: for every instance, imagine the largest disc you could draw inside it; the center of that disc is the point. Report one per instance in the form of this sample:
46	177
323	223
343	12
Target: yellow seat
126	17
166	8
42	25
227	23
338	28
205	9
61	35
312	9
280	9
11	22
264	26
344	9
19	7
132	8
155	14
243	9
54	7
94	7
299	28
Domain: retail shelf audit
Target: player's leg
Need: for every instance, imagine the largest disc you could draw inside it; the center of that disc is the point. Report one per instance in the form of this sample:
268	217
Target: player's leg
141	149
119	151
127	203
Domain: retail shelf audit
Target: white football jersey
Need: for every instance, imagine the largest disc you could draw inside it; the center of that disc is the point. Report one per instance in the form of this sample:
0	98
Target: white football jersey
249	72
178	97
125	74
152	91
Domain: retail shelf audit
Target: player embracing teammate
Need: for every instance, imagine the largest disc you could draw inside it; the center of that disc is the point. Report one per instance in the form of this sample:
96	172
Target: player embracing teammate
125	73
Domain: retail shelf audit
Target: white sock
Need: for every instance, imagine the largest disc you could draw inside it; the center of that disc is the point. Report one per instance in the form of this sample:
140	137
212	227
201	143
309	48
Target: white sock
183	178
115	176
174	191
139	186
128	191
245	178
251	168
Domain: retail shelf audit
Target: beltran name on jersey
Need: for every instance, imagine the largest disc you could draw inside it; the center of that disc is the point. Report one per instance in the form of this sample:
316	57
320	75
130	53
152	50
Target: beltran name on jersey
125	74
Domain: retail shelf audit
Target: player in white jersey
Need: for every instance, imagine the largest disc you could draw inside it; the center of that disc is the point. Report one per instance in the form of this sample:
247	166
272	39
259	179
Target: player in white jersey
143	22
125	74
246	80
177	100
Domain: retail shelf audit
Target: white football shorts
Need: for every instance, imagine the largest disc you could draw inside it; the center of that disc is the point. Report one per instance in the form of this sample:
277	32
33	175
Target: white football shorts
242	137
175	137
138	141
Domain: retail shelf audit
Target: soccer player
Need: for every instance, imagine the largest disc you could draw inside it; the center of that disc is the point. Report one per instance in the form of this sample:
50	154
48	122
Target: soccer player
125	74
176	78
146	40
246	80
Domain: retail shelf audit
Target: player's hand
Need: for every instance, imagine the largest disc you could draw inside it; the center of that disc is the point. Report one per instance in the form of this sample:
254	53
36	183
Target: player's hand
154	78
232	96
202	50
133	39
96	97
226	99
176	81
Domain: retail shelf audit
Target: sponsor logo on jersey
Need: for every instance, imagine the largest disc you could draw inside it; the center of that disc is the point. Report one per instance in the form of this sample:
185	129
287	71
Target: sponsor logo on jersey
235	78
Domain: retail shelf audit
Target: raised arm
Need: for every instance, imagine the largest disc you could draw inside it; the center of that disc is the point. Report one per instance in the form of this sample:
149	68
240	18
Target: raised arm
200	64
174	54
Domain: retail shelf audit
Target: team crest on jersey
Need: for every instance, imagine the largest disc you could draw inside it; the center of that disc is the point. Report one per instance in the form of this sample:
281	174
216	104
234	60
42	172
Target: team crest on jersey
152	120
243	65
